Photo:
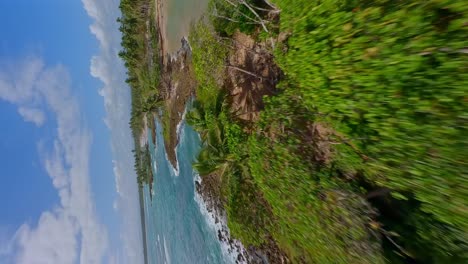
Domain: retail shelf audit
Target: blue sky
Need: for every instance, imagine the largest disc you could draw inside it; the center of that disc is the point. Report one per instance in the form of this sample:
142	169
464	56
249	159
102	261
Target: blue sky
68	189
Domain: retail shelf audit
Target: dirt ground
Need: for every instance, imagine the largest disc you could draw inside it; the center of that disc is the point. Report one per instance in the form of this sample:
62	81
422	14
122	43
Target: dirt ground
252	74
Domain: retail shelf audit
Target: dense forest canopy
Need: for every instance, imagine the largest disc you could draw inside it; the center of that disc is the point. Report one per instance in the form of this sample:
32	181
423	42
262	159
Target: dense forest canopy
140	57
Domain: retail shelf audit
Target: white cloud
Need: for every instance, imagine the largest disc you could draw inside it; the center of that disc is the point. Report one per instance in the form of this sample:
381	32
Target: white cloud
118	178
7	237
71	231
40	244
108	68
16	80
32	115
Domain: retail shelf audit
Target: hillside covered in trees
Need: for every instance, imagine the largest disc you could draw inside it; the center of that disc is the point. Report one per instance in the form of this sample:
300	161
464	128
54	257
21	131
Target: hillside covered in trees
140	56
358	155
333	131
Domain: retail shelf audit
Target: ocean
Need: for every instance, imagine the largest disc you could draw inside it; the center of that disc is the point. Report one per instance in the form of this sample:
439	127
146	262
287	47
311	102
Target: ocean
178	228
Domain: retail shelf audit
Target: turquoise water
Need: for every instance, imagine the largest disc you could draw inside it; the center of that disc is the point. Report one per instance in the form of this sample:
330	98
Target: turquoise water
177	231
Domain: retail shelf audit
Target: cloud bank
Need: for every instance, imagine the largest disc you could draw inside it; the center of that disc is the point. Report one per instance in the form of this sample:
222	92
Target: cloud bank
108	68
70	232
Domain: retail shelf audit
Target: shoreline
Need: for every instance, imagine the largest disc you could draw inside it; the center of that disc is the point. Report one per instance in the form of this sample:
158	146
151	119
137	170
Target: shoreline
232	248
178	85
312	174
161	24
143	223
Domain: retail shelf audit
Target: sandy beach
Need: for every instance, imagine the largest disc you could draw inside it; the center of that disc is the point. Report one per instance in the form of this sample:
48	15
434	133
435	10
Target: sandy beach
174	20
161	24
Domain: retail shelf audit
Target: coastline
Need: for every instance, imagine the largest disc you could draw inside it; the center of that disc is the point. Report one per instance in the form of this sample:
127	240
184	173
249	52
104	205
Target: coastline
232	249
143	223
297	176
161	29
178	86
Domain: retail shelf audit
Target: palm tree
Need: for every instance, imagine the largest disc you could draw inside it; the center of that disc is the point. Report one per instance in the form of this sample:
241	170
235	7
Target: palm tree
214	157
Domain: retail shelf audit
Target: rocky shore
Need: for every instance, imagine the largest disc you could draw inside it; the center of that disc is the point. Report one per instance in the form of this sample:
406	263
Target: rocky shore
177	86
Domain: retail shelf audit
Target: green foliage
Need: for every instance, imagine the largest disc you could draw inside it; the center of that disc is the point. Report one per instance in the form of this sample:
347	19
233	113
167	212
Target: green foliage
392	74
140	56
318	220
221	154
432	241
249	216
264	200
227	17
387	72
208	56
143	166
386	81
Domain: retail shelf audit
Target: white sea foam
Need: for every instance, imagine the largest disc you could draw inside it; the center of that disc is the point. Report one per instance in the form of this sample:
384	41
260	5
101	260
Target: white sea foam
158	245
155	165
167	257
175	170
230	250
144	133
180	136
181	123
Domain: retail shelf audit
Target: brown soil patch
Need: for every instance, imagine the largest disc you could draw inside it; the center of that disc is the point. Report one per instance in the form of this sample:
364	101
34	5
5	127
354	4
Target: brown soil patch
318	143
251	74
161	29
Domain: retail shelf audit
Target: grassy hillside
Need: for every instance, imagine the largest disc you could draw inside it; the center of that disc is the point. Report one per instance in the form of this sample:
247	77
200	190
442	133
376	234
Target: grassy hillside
359	157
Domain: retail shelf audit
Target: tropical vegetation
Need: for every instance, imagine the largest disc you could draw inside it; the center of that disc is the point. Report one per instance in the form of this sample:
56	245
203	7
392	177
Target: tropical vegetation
141	58
360	157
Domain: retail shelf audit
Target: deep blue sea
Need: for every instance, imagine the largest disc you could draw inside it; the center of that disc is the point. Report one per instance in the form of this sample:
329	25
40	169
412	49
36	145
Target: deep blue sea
177	231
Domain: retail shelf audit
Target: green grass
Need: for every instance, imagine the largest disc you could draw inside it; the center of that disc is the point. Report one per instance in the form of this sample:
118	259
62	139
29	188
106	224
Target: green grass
388	81
389	78
208	55
392	78
263	197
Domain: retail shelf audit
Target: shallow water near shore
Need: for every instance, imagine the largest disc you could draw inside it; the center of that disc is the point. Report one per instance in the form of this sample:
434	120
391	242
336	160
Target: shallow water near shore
177	231
179	15
178	227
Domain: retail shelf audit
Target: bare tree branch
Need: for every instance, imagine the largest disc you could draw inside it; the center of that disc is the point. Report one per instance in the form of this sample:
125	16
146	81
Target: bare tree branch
242	14
265	10
255	13
244	71
272	6
236	21
388	236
